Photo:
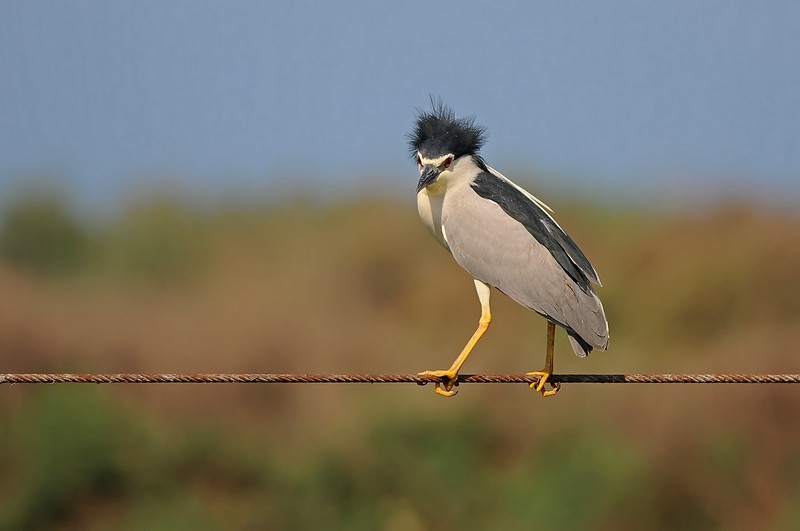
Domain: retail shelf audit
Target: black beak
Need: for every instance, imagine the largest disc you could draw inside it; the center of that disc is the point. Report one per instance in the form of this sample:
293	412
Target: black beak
429	174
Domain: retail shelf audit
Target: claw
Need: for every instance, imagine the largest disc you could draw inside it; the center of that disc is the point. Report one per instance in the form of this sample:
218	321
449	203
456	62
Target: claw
444	392
553	391
448	380
538	386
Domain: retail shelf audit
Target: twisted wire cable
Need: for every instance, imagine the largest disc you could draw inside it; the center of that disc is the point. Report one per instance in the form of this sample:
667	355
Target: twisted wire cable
241	378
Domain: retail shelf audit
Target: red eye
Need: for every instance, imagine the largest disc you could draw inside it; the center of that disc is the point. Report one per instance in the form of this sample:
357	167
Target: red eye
447	162
419	161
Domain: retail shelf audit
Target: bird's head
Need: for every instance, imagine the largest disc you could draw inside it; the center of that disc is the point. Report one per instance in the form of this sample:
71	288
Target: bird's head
440	141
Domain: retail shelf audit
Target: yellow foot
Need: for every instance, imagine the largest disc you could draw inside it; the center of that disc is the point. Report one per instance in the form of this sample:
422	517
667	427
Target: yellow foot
449	381
539	386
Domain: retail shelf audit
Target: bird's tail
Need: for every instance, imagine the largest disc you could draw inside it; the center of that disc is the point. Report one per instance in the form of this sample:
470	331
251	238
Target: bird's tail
581	347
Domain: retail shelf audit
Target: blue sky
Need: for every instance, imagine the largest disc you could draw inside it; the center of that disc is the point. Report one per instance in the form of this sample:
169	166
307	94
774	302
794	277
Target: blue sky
257	97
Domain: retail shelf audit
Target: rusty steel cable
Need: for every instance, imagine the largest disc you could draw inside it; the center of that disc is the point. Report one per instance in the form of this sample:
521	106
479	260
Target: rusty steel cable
136	378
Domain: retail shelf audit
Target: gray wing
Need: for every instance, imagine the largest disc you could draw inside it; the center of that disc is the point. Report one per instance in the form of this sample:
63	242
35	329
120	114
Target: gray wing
499	250
526	209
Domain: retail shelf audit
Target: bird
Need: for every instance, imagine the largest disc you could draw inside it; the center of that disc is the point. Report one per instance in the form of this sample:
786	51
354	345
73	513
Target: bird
505	238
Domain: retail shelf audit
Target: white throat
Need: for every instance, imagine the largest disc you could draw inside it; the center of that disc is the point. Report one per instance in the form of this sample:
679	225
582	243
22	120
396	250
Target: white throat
462	171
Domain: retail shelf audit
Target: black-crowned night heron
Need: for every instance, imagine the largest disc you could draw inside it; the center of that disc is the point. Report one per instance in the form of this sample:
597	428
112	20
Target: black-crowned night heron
505	238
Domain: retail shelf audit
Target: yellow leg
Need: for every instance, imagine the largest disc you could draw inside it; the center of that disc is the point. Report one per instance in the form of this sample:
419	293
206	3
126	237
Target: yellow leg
545	373
450	376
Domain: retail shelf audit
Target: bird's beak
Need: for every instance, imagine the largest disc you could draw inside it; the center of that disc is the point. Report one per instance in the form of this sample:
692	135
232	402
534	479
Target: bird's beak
428	175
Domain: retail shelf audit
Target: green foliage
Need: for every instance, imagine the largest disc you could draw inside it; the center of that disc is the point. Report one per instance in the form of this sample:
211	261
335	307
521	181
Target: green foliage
39	234
161	243
67	445
81	451
76	453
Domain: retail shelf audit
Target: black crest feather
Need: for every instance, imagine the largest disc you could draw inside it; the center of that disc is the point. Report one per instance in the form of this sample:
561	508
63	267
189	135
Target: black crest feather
438	132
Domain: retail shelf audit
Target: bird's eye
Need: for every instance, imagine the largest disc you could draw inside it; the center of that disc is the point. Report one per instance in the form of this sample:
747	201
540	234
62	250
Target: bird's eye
419	161
448	161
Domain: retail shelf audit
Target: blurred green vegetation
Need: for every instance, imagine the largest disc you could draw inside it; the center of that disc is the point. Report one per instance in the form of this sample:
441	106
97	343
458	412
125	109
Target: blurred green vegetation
39	234
304	287
79	455
160	243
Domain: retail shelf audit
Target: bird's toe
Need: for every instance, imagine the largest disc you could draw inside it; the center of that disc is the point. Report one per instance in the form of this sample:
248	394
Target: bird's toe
543	379
447	380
